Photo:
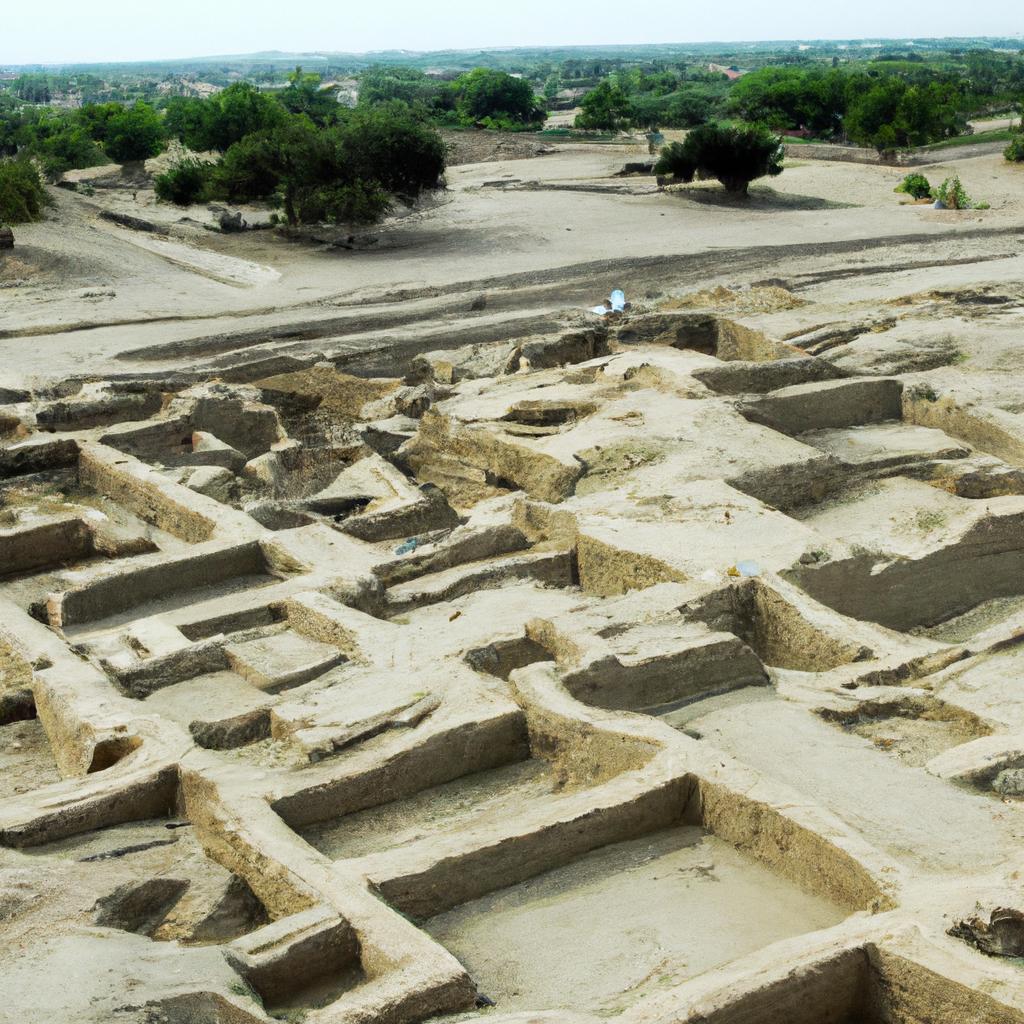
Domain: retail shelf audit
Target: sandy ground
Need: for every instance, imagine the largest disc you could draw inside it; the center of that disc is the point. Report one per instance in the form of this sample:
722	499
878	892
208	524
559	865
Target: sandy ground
85	289
619	923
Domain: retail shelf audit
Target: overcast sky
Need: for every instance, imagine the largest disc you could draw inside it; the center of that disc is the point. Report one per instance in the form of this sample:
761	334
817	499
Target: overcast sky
108	30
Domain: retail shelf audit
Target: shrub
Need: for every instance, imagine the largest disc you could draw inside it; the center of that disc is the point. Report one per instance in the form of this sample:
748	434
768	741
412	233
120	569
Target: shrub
952	194
734	154
675	160
916	186
890	113
184	183
1014	152
224	119
22	194
483	93
605	108
133	133
347	173
67	149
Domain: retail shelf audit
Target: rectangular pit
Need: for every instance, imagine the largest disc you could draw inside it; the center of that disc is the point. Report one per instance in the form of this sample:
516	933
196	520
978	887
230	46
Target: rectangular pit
162	585
623	921
472	799
865	985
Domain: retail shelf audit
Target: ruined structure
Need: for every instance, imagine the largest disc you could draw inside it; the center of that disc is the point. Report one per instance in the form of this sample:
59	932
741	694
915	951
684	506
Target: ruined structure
663	670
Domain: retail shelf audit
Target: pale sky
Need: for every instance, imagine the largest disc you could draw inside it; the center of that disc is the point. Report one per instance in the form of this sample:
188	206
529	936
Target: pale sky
53	31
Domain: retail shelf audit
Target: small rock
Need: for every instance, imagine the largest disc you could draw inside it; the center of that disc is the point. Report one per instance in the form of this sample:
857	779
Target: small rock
229	221
480	302
266	469
215	482
6	238
1010	782
413	401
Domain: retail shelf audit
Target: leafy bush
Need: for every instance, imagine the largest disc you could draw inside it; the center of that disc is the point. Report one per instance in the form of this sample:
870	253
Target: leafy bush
134	133
734	154
791	98
305	94
605	108
889	113
224	119
1014	152
22	194
184	183
345	173
952	194
68	147
482	93
676	161
916	186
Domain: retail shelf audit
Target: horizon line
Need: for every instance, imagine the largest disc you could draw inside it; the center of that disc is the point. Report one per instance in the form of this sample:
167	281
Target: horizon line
328	54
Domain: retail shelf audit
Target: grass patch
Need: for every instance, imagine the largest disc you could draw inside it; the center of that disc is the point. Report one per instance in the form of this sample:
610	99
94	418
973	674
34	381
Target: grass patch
927	520
996	135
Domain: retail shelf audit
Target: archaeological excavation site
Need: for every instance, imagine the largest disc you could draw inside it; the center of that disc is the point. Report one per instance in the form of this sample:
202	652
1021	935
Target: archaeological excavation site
453	651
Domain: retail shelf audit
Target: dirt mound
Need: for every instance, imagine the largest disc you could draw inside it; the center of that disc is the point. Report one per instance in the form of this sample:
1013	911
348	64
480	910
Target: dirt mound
766	299
14	270
479	147
339	393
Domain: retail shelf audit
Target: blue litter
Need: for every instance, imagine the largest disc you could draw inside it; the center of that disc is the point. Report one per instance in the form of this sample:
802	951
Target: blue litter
410	545
748	568
615	303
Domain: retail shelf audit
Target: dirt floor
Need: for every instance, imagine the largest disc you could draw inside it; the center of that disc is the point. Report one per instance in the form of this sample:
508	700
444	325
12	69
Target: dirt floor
93	289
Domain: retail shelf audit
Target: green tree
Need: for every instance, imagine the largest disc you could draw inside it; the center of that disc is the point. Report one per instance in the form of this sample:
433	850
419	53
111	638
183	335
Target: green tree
306	95
791	98
345	173
605	108
66	149
734	154
95	118
482	94
890	113
34	88
410	85
134	133
225	118
187	118
22	194
187	182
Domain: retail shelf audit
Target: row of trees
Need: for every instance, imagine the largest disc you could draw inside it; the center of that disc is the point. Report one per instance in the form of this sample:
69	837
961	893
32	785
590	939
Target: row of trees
882	109
666	99
295	147
348	170
492	99
94	134
886	104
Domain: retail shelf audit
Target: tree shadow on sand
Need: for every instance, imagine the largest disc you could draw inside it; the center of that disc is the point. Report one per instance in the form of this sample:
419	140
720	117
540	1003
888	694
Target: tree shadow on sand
760	199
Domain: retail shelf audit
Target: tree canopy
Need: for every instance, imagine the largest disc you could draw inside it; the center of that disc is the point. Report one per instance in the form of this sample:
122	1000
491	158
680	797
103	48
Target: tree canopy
223	119
22	196
346	172
734	154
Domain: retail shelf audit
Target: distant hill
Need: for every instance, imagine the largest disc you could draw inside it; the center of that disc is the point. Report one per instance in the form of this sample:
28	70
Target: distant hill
511	58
